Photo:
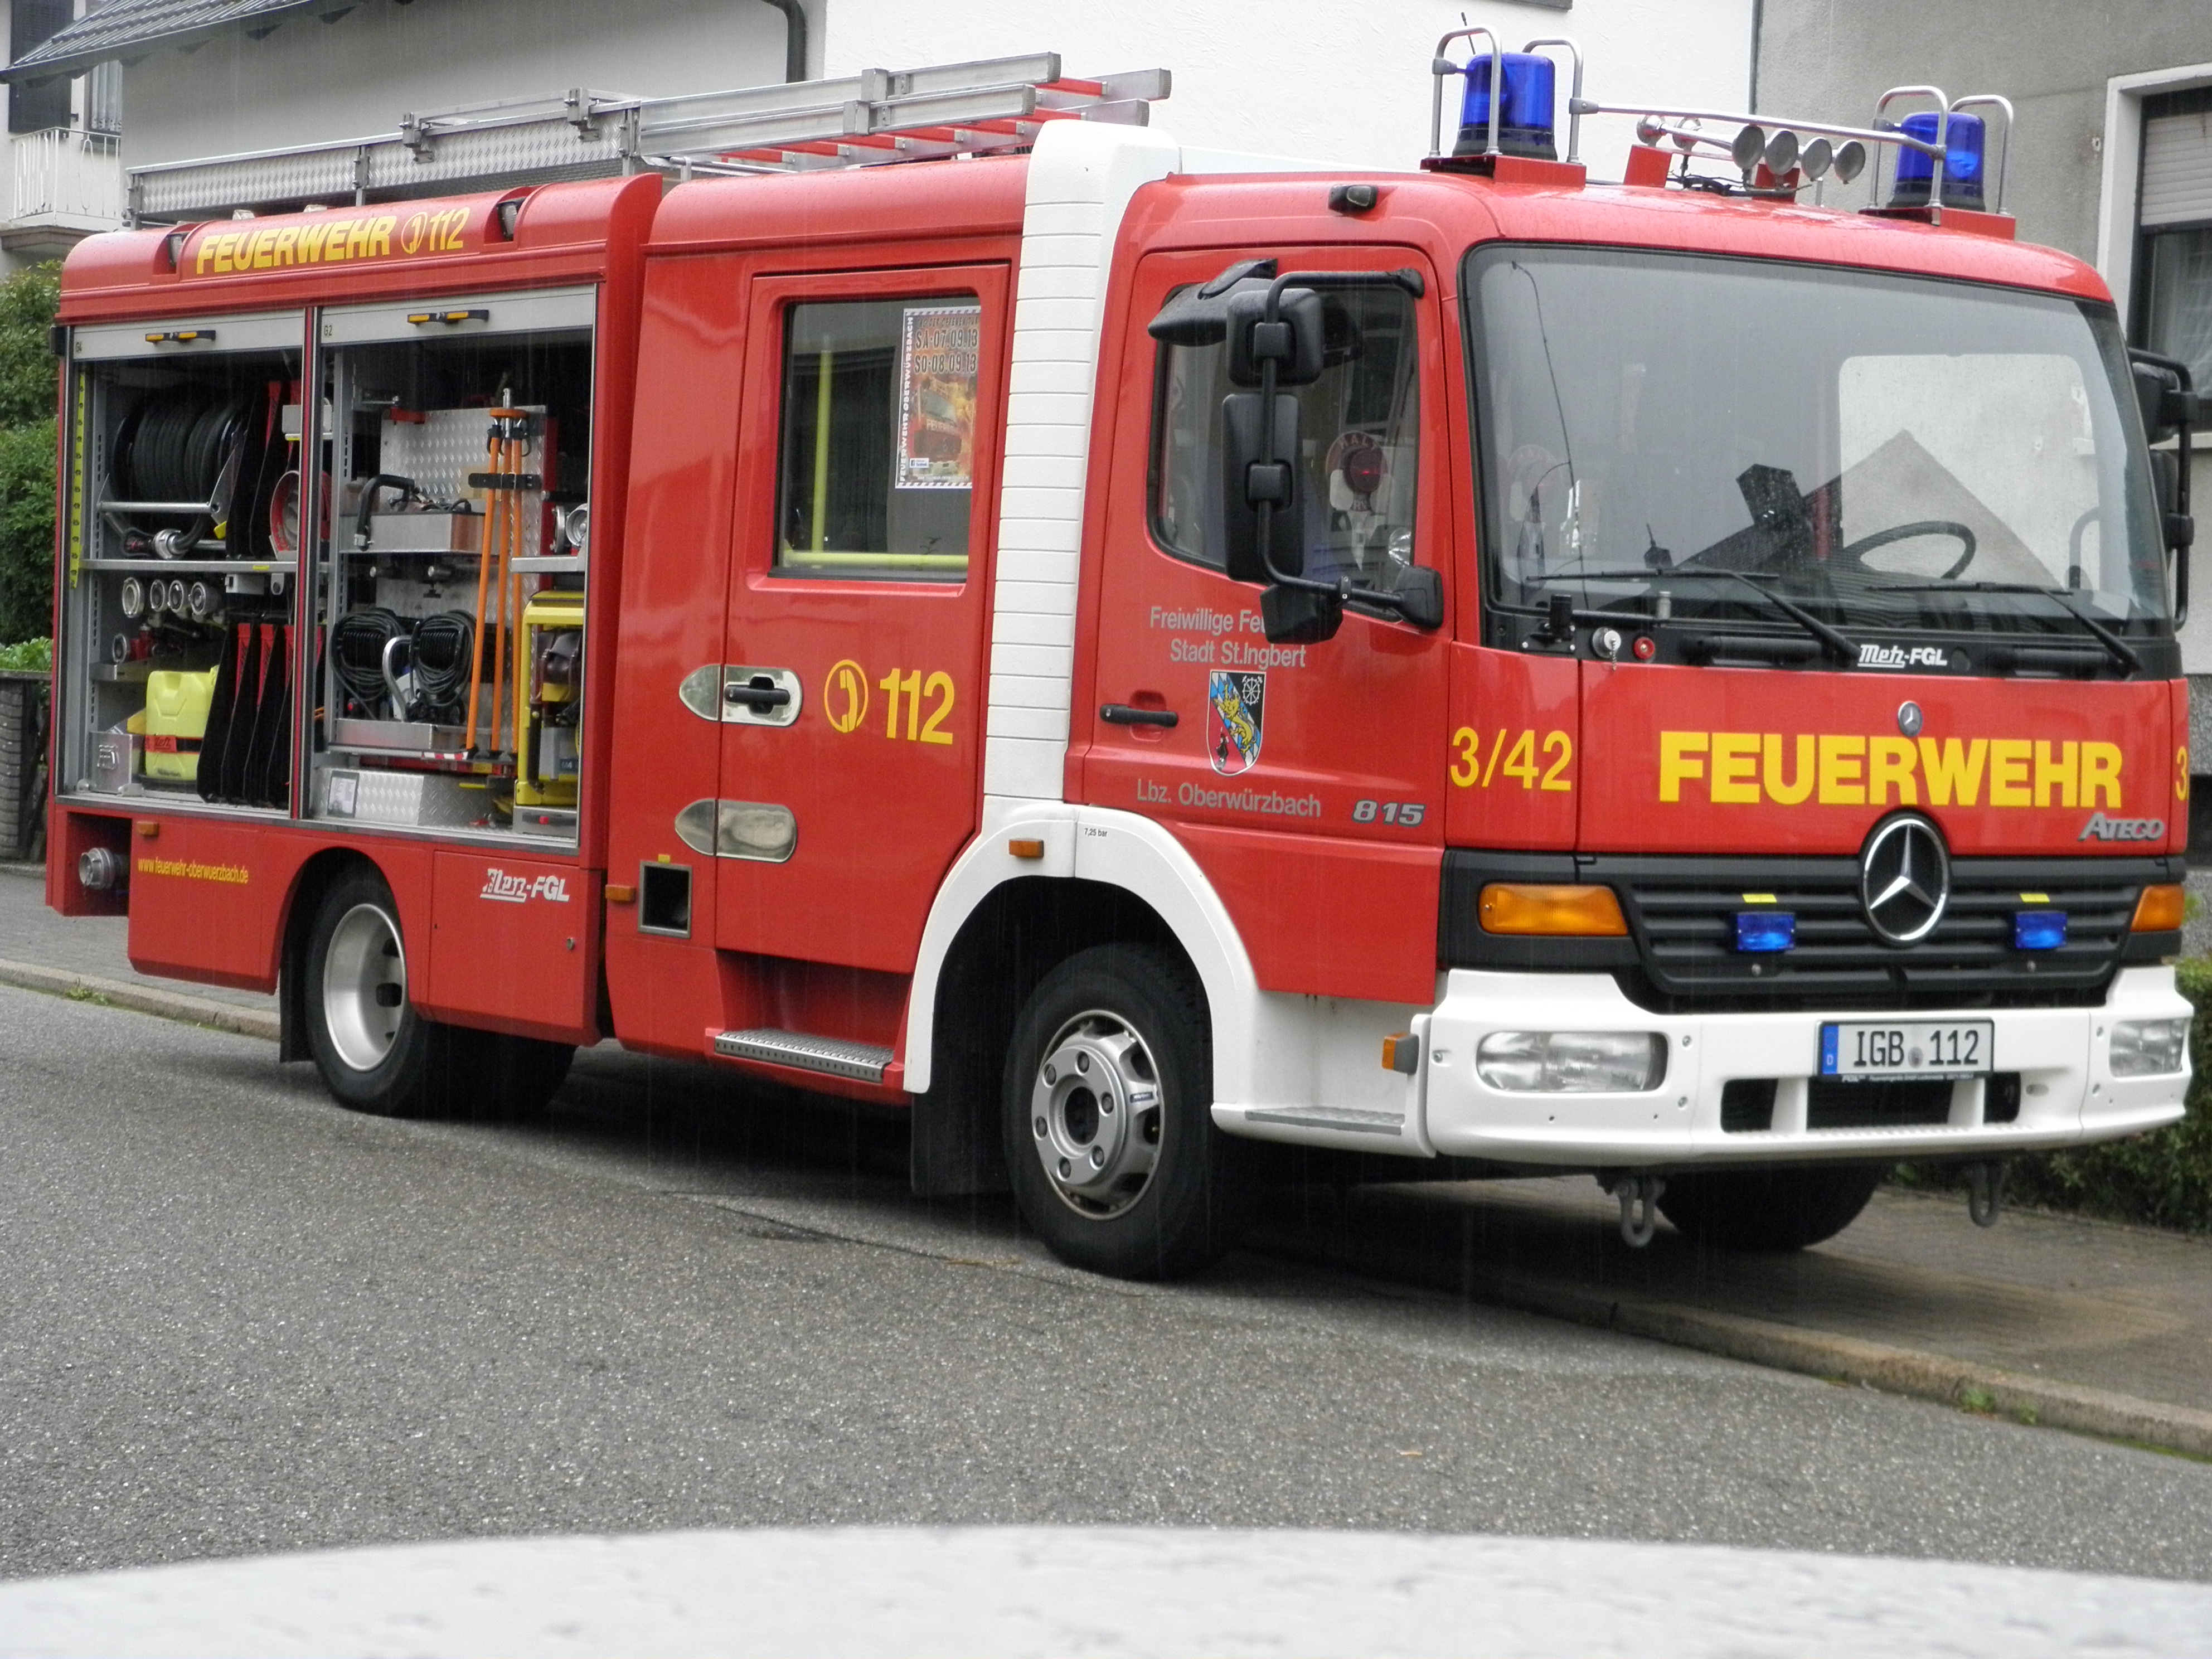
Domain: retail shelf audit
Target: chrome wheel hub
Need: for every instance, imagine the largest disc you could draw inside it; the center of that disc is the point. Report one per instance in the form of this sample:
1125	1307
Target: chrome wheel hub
364	988
1096	1115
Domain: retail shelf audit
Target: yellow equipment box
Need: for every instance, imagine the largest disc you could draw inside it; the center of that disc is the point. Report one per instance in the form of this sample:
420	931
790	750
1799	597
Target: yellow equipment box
548	687
177	706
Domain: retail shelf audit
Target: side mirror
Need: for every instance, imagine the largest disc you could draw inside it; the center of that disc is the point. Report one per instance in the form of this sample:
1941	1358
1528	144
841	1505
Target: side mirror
2167	400
1260	468
1294	342
2167	394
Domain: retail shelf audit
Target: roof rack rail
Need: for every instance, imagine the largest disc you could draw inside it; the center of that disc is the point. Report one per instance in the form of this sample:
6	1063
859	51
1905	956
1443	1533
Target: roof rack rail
878	115
1772	144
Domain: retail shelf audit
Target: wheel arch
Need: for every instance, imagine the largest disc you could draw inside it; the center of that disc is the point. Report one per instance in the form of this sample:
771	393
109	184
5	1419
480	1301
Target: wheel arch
1117	872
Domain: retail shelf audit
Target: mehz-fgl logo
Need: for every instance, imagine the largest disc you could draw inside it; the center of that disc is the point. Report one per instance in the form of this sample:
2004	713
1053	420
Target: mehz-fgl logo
520	889
1902	656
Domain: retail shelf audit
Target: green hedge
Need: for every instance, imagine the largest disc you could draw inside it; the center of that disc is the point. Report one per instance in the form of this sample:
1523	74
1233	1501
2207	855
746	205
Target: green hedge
27	453
2163	1179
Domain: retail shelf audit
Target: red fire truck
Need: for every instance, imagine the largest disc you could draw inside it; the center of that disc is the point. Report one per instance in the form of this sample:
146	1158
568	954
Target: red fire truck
929	590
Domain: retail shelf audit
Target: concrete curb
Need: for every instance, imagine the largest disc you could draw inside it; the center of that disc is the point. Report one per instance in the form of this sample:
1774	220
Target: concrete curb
141	999
1950	1381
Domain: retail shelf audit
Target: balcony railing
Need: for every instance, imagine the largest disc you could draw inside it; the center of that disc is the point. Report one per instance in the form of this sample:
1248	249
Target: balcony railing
67	179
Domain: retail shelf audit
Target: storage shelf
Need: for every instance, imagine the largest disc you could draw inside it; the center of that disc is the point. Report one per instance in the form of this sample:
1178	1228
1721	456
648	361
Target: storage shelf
550	565
198	566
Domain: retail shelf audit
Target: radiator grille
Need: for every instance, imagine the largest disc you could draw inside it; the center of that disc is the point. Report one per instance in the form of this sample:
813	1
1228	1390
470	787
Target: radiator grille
1681	912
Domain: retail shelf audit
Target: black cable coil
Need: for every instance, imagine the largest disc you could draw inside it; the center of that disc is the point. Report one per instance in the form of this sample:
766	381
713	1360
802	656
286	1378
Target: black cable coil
357	654
445	647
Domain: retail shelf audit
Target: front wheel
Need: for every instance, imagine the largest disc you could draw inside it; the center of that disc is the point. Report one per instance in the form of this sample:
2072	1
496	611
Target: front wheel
1110	1140
1773	1208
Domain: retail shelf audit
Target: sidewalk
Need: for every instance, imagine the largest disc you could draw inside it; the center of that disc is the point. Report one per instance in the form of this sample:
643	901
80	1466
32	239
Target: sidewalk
2079	1324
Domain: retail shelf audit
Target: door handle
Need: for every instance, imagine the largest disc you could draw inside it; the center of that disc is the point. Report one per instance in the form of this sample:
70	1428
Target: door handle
758	697
1120	713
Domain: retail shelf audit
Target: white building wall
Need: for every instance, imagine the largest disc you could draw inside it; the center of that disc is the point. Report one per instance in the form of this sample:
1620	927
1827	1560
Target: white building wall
312	81
1317	77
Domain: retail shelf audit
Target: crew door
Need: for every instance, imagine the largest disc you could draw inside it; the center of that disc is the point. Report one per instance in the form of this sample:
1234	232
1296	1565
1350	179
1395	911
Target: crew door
1306	780
852	687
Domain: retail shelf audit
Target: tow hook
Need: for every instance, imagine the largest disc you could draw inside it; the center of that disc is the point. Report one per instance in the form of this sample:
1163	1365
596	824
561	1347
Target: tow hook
1639	1207
1985	1192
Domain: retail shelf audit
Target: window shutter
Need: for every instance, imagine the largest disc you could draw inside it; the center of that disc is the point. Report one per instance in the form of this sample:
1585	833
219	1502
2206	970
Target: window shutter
2177	170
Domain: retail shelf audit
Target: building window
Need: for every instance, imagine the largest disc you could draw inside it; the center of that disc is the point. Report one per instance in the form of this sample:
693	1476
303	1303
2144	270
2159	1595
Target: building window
33	23
2174	281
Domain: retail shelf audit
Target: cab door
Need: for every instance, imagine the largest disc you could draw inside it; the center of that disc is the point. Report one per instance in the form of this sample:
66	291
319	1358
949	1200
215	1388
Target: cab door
852	686
1306	780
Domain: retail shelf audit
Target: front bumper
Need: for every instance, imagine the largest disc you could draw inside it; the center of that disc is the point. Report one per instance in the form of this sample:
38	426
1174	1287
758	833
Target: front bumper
2067	1096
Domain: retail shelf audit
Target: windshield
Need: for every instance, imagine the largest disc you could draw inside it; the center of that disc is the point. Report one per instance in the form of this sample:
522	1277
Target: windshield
1885	451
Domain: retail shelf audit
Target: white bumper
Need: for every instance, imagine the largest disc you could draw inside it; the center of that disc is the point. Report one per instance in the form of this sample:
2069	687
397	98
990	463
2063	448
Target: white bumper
2069	1096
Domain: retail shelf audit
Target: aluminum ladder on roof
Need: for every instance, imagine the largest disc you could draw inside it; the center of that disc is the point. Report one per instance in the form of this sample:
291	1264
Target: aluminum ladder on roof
876	116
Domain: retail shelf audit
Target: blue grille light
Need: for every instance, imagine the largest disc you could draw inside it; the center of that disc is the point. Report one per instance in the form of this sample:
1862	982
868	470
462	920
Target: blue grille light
2038	930
1964	146
1524	119
1765	930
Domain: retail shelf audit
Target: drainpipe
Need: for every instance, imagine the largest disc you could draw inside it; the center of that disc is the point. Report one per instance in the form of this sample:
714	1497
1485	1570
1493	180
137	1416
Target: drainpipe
794	38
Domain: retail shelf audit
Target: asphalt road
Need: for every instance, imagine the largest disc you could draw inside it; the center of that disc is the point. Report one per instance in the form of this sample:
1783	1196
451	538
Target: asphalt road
235	1319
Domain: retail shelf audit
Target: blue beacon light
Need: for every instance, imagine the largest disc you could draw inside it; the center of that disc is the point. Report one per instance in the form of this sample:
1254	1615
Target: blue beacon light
2039	930
1765	930
1963	171
1524	117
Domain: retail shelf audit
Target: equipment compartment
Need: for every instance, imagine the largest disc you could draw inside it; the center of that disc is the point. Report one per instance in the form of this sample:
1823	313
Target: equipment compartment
451	573
182	532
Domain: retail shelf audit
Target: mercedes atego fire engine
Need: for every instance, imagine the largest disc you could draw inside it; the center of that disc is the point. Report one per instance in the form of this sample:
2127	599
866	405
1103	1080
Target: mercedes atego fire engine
925	588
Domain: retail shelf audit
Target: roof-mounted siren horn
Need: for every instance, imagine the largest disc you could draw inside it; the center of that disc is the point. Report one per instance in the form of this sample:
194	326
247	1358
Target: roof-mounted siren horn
1508	100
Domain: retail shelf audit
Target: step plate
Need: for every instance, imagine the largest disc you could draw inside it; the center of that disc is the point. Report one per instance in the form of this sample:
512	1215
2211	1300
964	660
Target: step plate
833	1056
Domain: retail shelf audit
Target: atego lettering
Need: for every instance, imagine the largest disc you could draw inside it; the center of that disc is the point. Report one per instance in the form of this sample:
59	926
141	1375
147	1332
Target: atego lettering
1847	768
520	889
2101	828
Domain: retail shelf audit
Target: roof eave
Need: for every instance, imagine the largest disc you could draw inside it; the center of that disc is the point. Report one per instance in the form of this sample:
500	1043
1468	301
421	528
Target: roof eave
33	67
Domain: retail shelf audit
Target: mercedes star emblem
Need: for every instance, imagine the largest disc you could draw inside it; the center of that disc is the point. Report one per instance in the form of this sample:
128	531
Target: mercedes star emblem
1905	880
1908	719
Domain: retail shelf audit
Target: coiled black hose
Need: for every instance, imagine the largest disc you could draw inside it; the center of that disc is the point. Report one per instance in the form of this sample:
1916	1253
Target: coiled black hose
445	646
357	654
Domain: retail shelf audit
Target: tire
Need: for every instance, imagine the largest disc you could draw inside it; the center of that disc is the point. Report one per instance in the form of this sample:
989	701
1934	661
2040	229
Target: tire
1113	1182
1773	1208
374	1052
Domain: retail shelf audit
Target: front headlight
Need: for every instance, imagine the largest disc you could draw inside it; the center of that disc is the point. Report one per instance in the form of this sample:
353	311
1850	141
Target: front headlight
2148	1047
1572	1062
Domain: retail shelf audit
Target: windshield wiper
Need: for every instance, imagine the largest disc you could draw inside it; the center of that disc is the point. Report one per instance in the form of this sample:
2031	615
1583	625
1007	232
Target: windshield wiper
2120	651
1839	644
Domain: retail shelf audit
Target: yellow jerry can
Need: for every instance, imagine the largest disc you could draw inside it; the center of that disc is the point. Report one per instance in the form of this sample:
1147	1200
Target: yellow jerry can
177	704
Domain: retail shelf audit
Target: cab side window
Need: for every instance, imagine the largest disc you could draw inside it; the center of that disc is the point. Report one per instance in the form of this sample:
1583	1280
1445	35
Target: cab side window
877	448
1361	436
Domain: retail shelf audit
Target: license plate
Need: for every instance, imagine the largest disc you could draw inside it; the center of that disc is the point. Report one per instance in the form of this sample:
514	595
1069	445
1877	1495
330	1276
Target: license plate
1932	1049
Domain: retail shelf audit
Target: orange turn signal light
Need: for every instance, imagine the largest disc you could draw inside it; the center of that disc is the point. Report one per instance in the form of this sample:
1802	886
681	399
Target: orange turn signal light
620	893
1512	907
2160	908
1025	849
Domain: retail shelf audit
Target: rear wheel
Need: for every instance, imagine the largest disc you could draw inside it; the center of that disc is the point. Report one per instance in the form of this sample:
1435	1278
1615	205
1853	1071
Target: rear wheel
1773	1208
374	1052
1110	1132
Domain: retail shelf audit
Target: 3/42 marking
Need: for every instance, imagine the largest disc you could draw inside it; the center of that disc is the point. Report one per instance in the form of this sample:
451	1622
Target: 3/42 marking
1471	769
